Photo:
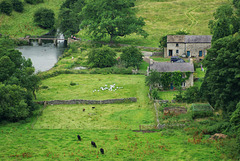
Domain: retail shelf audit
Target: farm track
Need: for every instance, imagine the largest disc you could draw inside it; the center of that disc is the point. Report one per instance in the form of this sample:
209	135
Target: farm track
193	20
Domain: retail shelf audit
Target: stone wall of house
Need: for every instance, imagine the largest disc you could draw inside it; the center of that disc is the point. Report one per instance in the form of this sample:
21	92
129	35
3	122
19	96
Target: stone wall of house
174	47
109	101
194	48
189	82
182	48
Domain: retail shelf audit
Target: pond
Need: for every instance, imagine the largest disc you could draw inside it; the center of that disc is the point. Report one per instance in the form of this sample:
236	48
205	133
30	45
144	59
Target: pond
44	56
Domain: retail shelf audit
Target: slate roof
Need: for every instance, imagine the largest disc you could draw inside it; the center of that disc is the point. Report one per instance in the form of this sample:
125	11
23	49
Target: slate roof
198	38
172	67
189	38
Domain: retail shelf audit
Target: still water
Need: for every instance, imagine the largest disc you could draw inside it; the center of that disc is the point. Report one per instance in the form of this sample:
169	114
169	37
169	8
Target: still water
44	56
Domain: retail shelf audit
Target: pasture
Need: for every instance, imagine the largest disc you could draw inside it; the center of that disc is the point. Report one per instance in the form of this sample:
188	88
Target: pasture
113	127
106	116
59	87
20	142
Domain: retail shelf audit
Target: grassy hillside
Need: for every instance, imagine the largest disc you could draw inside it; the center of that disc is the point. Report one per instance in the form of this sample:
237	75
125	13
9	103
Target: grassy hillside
21	24
161	16
168	16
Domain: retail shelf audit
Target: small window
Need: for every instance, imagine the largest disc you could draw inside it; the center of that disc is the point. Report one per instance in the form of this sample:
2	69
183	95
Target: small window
176	44
183	84
177	51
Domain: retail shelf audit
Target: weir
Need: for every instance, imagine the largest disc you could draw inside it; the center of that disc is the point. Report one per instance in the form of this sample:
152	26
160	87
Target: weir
40	39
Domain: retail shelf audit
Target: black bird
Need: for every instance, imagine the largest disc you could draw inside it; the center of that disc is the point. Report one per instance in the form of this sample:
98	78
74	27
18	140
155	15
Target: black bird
93	144
93	107
102	150
79	137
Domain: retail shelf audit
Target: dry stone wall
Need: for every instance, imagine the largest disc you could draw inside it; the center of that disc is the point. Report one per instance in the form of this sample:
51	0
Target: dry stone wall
109	101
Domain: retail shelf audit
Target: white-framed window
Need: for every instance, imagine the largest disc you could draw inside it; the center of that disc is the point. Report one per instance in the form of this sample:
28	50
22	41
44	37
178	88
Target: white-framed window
183	84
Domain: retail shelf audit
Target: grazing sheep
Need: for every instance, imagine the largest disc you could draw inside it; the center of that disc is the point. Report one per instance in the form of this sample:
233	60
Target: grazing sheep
79	137
83	110
93	144
102	150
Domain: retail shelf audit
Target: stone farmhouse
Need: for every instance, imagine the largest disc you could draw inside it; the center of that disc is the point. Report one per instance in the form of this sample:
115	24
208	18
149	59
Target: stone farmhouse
188	45
162	67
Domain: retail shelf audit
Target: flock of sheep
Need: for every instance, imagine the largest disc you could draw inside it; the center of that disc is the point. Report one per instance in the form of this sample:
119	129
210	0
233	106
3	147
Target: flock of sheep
110	88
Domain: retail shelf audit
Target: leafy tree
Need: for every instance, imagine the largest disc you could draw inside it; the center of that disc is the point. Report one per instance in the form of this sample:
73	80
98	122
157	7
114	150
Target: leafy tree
235	121
102	57
14	103
44	18
18	83
69	16
131	56
153	79
226	22
17	5
221	29
114	18
221	83
6	7
7	68
236	3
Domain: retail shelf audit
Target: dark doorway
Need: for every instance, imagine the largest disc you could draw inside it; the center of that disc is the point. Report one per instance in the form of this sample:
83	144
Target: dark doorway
170	52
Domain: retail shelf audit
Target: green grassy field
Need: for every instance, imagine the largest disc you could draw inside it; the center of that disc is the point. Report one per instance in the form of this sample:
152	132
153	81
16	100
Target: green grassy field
59	87
108	116
161	16
53	136
19	142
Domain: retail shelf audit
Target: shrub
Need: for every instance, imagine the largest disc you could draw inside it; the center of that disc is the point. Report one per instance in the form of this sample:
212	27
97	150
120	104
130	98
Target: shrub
6	7
34	1
154	94
201	110
102	57
73	84
131	57
17	5
44	18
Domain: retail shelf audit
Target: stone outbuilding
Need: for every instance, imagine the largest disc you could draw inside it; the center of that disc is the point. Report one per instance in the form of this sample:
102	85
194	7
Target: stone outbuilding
188	45
162	67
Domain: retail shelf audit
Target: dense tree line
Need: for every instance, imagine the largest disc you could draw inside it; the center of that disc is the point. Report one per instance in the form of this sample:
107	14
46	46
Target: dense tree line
18	83
226	21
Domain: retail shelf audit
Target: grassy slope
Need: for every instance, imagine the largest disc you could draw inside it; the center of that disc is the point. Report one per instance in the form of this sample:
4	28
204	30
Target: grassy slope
21	24
163	17
168	16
